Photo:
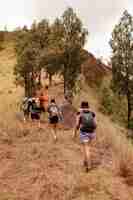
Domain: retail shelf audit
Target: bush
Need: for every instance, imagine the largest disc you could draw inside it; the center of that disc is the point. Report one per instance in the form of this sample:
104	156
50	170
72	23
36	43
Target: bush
124	162
130	126
106	101
113	105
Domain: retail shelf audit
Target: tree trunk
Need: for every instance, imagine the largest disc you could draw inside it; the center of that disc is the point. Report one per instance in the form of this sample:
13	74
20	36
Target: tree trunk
32	84
26	86
29	85
39	79
67	88
50	79
129	108
64	82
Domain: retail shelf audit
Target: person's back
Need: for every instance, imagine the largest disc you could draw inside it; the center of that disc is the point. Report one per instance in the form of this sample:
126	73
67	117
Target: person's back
42	102
25	106
68	113
35	110
54	117
35	105
53	109
85	122
44	98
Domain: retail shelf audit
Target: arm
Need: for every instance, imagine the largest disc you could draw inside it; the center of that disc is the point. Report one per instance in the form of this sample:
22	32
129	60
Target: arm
60	113
77	126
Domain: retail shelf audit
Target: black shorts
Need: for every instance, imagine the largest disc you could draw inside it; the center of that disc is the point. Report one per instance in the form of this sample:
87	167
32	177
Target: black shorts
54	120
35	116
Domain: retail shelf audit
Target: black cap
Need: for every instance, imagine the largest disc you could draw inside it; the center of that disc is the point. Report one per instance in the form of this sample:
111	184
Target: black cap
84	104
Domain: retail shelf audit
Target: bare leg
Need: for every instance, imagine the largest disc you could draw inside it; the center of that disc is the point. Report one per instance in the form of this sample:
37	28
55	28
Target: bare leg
54	131
26	117
86	154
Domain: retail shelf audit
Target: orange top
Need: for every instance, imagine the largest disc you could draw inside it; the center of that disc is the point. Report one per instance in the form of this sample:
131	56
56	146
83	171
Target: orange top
44	98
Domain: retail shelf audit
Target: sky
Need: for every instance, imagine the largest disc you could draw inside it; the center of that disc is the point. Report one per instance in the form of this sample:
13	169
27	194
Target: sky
98	16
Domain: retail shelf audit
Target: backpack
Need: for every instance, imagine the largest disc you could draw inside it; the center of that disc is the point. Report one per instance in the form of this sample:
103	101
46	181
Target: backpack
54	111
34	107
87	122
25	105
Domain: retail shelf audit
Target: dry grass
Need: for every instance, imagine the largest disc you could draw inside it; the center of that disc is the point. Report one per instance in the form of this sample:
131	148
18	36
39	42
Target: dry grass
33	167
111	139
124	160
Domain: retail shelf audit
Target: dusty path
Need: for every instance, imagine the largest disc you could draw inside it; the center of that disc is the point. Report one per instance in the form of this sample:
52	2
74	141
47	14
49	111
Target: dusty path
33	167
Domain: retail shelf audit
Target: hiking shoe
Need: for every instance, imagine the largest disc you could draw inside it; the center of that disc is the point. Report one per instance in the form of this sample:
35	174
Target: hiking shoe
87	166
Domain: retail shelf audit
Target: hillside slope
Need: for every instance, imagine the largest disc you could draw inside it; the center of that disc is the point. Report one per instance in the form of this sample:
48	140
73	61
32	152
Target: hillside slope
33	167
94	70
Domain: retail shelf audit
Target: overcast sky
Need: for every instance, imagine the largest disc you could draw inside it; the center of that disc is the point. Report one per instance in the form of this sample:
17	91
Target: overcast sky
98	16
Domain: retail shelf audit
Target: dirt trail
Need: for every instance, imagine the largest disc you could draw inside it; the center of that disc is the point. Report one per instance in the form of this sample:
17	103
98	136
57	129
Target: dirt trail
33	167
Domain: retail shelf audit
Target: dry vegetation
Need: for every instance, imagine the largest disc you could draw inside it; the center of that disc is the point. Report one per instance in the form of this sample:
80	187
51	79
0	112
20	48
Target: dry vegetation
32	167
94	70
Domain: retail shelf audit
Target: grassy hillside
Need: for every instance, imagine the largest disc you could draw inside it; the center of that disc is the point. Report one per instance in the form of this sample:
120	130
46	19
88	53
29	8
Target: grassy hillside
9	94
33	167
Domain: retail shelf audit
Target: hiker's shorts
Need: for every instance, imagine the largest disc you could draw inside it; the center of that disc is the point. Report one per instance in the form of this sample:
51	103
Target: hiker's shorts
86	137
42	109
54	120
35	116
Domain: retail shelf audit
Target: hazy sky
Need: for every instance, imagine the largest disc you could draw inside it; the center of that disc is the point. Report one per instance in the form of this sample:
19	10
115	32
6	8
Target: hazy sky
98	16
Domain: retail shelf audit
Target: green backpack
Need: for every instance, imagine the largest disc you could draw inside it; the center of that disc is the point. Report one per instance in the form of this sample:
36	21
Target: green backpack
87	122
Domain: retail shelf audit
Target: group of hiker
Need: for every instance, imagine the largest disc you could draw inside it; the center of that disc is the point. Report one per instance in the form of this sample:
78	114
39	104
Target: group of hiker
33	106
38	104
85	120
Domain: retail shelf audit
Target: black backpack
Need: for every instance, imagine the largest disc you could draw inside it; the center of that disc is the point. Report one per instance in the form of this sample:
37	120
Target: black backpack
87	121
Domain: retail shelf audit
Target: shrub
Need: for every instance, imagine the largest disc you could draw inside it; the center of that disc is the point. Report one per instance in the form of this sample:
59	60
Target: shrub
130	126
106	101
113	105
124	162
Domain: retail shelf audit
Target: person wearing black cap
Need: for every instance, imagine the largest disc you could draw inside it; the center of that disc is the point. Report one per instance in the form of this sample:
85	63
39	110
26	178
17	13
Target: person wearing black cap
54	117
86	123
